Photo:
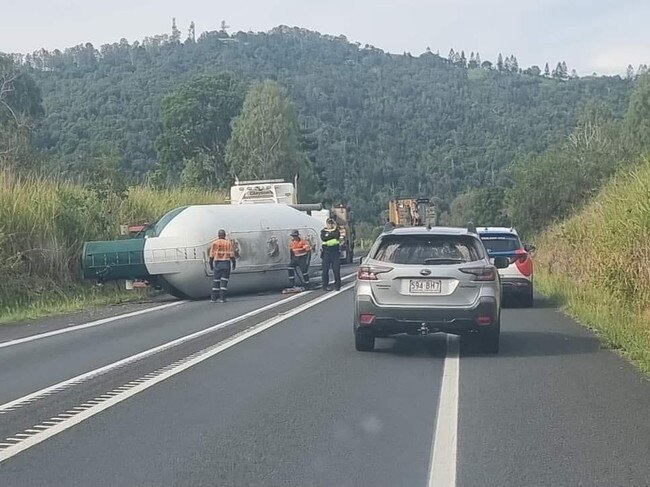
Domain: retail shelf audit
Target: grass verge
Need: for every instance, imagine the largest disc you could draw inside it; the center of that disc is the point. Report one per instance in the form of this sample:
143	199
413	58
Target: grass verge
43	225
618	327
72	299
597	265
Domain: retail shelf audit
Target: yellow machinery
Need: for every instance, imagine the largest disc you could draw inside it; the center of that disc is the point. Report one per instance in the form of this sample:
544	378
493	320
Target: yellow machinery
412	212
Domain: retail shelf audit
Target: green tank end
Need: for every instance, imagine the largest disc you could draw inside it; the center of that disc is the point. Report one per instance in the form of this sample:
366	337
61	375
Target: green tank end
114	259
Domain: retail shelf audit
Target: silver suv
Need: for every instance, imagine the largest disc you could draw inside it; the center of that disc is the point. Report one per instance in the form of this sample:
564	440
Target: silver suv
425	280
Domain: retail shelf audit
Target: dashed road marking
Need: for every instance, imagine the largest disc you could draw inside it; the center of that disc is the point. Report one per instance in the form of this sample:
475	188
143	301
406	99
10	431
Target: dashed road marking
164	373
22	401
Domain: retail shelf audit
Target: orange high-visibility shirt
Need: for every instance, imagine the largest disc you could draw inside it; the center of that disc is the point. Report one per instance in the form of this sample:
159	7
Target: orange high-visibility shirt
221	249
299	247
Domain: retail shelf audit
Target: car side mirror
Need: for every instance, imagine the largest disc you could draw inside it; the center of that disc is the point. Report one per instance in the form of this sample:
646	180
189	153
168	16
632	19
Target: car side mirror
501	262
529	248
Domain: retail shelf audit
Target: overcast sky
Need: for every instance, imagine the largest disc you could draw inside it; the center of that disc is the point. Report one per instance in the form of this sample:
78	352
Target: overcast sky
590	35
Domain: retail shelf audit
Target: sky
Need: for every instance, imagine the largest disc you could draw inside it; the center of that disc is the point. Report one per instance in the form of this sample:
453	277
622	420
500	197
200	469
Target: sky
601	36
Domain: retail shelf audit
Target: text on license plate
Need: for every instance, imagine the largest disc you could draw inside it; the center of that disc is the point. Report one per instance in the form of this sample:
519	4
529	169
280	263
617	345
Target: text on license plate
425	286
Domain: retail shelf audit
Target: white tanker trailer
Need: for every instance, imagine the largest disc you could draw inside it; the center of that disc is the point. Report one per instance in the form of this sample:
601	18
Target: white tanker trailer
173	253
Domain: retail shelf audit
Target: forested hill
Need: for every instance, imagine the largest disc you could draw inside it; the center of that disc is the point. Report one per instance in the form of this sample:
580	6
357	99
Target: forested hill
385	124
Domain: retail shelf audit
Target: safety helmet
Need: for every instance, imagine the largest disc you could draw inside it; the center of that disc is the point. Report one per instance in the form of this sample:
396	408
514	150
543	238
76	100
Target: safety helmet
295	233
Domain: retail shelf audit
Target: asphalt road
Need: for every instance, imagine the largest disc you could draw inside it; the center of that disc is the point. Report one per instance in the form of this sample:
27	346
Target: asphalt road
279	397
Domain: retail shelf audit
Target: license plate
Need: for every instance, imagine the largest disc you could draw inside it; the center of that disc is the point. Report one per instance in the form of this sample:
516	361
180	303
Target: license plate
425	286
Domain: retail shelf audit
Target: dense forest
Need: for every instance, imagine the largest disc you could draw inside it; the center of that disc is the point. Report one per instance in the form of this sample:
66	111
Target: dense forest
372	124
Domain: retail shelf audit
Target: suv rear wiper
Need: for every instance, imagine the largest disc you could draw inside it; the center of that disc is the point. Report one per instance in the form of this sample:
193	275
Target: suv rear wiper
442	260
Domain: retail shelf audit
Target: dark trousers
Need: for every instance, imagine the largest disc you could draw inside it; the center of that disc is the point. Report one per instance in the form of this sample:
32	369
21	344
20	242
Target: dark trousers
332	260
220	278
302	263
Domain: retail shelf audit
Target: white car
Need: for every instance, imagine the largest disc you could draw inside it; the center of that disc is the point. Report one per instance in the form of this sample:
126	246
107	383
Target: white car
517	278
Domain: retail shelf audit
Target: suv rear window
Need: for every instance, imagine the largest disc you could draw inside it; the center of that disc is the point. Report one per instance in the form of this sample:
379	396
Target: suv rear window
500	242
428	249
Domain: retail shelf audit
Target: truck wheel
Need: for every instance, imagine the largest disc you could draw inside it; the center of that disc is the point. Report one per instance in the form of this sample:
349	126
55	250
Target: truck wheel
364	342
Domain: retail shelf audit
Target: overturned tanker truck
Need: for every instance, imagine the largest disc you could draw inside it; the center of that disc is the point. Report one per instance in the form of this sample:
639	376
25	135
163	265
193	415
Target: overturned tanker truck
172	254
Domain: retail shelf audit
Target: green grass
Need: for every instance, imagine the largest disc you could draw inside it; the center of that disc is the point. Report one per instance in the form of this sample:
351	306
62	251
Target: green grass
43	225
597	265
69	300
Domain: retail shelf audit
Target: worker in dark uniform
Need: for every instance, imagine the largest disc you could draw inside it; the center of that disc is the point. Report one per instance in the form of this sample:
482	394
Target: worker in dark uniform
300	252
222	259
330	236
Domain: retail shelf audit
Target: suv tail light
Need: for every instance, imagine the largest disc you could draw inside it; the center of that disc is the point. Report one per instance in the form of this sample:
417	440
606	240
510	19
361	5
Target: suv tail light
369	273
520	256
481	273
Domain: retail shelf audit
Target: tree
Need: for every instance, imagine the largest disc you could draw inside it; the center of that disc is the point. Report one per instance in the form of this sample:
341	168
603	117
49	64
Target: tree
486	65
514	64
195	128
533	71
176	34
500	62
629	74
191	33
637	117
472	61
574	74
484	206
264	141
547	71
452	55
20	108
463	59
507	65
549	186
224	27
478	59
560	71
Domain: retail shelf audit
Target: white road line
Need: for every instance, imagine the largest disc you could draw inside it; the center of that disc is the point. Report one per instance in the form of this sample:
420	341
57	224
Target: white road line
90	324
442	470
138	356
210	352
103	321
141	355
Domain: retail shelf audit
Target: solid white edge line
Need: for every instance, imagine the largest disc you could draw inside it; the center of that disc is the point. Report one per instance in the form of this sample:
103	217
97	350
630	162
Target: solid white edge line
90	324
151	351
226	344
442	469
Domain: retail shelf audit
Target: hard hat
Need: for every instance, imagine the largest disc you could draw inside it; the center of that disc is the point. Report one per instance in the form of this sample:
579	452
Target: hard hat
295	233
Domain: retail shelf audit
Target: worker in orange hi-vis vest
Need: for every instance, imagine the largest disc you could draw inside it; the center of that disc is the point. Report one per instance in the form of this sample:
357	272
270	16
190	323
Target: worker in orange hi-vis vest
300	252
222	259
